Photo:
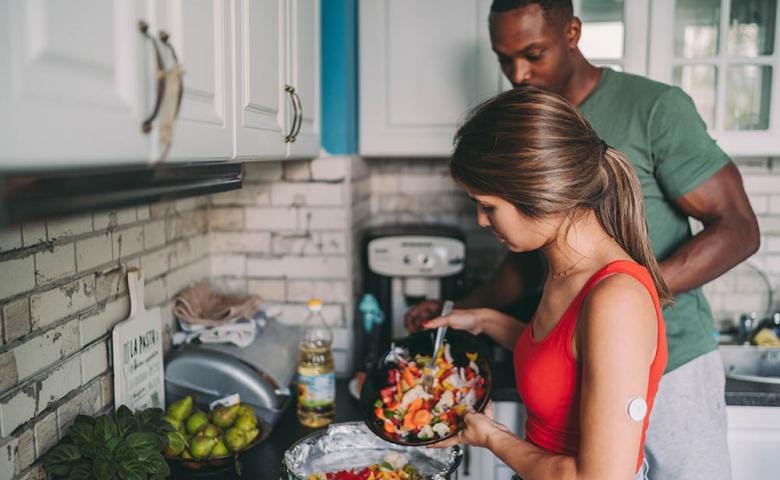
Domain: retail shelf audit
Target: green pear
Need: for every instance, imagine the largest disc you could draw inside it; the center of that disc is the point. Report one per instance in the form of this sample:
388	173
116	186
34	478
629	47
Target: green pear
251	434
208	430
224	416
245	423
186	455
220	450
180	409
196	420
246	410
235	439
177	424
202	445
176	444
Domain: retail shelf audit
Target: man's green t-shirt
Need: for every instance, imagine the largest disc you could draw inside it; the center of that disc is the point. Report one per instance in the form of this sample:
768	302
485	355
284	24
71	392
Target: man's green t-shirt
658	128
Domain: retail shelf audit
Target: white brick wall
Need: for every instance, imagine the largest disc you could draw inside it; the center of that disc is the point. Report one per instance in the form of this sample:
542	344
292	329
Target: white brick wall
62	289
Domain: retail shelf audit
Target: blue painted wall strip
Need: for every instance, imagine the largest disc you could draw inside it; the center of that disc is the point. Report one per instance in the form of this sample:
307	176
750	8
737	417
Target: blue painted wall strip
339	76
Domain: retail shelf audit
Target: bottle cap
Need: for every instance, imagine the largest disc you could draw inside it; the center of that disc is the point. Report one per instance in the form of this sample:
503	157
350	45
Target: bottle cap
315	304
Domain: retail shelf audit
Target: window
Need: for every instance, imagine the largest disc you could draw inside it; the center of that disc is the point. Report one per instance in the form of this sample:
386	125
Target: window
611	32
723	53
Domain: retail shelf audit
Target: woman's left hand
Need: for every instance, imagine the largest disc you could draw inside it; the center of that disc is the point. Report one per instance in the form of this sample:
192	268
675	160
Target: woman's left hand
479	427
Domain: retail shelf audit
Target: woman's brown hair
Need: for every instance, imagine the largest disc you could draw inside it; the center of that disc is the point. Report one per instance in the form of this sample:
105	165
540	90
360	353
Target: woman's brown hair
535	150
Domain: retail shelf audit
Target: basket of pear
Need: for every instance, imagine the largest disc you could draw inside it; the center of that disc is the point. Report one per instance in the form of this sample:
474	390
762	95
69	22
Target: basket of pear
211	438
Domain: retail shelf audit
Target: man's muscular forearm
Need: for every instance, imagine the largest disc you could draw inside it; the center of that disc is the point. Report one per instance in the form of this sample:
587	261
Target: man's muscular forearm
519	274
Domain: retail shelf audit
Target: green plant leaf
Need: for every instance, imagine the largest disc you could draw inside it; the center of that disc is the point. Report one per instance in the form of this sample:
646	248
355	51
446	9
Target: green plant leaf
133	470
61	459
123	412
105	428
82	471
84	419
113	445
82	433
156	465
127	425
103	468
144	442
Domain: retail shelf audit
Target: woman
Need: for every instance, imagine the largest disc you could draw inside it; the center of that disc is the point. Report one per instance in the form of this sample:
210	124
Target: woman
588	365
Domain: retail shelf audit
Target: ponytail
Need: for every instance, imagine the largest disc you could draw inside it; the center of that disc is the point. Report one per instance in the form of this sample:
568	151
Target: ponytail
621	213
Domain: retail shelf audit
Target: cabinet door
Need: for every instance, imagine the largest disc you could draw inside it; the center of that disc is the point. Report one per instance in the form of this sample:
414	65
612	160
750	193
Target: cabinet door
260	126
200	33
724	54
303	73
422	66
754	434
73	83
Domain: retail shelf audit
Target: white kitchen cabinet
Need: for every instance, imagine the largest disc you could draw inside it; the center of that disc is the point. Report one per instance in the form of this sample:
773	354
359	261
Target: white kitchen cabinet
82	79
422	65
303	74
754	437
260	75
74	83
480	463
201	34
724	54
278	79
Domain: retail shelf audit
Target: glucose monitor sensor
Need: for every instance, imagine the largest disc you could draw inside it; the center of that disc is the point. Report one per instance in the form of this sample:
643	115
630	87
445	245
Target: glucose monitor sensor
637	409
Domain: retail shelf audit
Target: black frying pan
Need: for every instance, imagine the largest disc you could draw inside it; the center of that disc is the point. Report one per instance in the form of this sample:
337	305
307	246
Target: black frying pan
461	342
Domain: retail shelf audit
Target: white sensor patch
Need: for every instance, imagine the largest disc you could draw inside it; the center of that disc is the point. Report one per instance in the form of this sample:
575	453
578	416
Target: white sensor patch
637	409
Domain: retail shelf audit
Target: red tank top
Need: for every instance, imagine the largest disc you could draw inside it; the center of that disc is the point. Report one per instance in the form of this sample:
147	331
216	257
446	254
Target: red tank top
548	377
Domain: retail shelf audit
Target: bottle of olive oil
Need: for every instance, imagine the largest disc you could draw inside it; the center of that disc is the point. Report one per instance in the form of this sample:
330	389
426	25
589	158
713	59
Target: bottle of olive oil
316	375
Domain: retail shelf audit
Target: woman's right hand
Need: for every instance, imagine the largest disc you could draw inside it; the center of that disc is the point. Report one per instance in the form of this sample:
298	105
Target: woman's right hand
461	319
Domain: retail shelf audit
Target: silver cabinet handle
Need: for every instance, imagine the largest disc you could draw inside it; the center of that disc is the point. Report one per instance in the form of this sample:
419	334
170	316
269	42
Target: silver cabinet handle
146	125
298	118
164	38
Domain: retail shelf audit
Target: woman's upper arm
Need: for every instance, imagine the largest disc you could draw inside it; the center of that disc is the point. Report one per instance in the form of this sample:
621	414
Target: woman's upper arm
616	339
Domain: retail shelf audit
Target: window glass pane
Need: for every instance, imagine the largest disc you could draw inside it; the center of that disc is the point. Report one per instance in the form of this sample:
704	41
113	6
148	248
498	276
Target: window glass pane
602	29
748	92
700	82
752	27
696	28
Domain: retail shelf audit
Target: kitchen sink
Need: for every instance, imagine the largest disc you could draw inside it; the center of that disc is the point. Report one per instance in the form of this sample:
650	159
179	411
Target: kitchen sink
751	369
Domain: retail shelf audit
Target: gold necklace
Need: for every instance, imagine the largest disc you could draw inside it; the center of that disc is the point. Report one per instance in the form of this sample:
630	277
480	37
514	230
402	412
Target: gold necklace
567	271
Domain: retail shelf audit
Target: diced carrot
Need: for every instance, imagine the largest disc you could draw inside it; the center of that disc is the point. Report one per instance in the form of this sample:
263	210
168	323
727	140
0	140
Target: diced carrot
408	378
399	391
389	427
393	405
443	417
415	405
408	422
379	413
422	418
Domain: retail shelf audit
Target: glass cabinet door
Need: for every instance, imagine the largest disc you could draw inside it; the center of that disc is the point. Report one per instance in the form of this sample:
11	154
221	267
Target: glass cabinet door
723	53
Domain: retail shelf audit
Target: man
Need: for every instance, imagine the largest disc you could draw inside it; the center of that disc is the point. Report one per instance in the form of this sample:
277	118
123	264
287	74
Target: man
683	174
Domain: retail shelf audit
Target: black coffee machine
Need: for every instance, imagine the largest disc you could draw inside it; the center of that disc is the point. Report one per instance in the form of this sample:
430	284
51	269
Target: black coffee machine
401	266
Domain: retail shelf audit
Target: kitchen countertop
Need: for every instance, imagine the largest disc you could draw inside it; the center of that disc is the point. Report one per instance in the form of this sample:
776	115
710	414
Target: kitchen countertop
264	461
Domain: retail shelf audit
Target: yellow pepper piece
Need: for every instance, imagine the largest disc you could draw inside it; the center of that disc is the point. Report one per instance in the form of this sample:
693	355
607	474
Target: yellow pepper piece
472	356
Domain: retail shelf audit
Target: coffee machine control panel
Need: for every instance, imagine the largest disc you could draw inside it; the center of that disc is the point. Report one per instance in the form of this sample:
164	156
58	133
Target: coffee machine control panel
416	255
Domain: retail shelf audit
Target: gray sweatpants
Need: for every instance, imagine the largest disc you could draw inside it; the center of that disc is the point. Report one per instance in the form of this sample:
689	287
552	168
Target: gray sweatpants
686	438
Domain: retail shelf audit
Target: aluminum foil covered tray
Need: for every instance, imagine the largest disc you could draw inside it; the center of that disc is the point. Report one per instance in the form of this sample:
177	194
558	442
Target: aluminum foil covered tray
352	445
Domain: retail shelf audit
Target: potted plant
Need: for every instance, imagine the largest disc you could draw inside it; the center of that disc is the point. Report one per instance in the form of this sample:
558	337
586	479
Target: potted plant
127	447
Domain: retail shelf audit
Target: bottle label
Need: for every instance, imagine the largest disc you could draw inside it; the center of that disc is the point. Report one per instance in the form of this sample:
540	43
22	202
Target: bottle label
317	390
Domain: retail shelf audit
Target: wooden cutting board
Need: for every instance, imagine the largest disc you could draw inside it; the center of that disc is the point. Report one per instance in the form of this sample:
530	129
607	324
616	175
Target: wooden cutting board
137	352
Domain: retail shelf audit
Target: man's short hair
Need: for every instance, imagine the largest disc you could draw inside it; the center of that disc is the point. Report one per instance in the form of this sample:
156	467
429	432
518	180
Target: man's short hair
560	10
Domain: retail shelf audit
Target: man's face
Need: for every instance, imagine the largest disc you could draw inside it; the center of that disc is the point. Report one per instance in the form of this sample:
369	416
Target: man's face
533	50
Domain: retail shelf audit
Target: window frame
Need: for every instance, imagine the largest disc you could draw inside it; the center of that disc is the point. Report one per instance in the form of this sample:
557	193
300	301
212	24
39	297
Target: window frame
662	61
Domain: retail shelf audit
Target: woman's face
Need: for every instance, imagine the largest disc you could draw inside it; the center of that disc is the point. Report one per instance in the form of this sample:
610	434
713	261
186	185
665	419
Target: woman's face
519	232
